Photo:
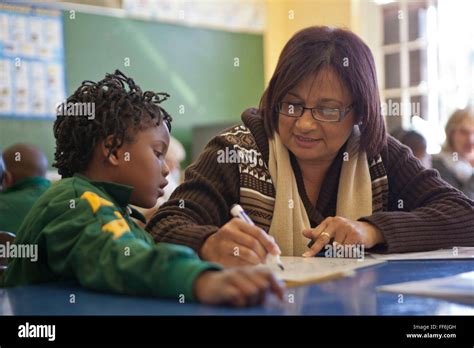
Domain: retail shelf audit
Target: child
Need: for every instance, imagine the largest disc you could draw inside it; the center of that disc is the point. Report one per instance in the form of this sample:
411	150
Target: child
83	225
25	181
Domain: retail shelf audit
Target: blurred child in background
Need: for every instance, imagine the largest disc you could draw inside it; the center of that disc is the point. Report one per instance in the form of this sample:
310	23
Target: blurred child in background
24	181
417	144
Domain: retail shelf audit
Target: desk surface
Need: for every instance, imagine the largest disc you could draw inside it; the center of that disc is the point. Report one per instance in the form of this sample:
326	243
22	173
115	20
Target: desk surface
354	295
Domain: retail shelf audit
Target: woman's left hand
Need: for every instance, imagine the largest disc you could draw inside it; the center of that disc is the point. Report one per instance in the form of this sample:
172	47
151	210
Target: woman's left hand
342	231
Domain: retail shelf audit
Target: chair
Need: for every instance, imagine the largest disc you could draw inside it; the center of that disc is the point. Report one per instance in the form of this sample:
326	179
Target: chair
5	237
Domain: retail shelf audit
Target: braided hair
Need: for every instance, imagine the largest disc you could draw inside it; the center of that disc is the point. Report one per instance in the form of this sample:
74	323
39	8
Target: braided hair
121	109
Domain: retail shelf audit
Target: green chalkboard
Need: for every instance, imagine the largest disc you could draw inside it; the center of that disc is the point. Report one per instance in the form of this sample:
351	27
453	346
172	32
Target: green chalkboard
212	75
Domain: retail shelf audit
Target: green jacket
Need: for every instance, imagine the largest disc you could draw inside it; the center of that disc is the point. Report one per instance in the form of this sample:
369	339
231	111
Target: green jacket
84	232
17	200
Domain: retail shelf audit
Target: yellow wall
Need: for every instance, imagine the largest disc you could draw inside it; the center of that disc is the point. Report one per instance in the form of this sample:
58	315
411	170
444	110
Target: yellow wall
280	27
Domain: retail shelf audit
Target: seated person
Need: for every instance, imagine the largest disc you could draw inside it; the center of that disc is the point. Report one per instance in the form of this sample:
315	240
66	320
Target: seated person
455	162
313	165
83	225
417	144
23	183
175	155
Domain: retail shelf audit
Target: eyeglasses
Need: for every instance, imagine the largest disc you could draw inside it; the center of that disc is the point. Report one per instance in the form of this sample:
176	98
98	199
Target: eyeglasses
322	114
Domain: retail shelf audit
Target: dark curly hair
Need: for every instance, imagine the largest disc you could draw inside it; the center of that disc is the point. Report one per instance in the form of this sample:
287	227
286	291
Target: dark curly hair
119	112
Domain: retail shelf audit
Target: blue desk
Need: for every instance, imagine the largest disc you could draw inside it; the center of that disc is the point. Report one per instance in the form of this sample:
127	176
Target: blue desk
348	296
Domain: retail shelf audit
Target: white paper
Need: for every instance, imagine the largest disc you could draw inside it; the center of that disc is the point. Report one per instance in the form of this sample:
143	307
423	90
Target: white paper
453	253
314	269
456	288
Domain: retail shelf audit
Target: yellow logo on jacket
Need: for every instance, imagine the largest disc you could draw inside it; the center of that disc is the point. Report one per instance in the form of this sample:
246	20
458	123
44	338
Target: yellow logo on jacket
118	226
95	201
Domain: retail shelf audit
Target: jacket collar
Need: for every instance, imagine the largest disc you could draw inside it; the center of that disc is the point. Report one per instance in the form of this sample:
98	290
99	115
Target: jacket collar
119	193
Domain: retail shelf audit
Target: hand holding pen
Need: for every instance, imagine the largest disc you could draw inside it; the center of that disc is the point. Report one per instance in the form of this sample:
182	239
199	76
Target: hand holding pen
239	243
238	212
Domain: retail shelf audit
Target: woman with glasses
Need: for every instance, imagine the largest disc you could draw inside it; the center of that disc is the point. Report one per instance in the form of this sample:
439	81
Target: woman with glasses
313	165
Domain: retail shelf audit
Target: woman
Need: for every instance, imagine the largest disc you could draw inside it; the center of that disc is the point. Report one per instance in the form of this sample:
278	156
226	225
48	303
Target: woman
456	162
313	164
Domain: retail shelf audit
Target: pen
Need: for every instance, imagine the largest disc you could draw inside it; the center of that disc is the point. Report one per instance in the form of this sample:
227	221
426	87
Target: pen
237	211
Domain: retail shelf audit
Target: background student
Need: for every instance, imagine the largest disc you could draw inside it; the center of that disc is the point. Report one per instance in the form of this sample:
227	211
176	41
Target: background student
455	163
24	182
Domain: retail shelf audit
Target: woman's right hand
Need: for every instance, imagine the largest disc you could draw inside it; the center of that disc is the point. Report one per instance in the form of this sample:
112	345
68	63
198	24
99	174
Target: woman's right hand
238	243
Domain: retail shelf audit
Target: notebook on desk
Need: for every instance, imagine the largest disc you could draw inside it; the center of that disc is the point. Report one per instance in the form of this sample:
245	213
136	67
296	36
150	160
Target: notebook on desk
302	271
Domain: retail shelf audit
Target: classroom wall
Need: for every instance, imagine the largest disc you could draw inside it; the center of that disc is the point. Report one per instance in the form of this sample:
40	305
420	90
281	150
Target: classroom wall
212	75
286	17
39	133
361	17
216	91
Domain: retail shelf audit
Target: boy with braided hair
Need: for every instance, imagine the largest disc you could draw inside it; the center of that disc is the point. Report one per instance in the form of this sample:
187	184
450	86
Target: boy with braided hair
83	225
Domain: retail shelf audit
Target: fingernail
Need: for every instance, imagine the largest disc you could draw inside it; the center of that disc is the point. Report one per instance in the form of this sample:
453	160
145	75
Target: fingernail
306	254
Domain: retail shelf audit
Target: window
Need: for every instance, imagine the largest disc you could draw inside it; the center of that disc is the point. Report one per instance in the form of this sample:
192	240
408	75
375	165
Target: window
410	64
427	49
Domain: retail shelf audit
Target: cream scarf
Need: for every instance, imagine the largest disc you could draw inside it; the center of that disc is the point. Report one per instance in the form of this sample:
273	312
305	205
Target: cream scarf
354	197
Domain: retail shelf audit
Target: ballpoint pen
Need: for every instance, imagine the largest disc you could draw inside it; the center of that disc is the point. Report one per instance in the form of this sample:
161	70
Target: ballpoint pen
238	212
